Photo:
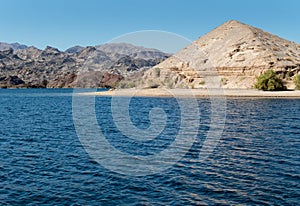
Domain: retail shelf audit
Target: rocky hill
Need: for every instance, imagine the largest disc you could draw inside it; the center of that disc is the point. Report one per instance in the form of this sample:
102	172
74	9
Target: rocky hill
237	52
77	67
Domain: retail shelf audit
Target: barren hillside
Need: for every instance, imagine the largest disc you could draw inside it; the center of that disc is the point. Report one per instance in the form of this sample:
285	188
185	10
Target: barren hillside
234	51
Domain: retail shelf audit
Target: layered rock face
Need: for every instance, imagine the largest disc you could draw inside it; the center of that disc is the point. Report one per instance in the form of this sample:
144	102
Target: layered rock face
234	51
77	67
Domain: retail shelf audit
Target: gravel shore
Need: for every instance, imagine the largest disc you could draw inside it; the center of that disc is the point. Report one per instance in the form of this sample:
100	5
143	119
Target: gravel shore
197	93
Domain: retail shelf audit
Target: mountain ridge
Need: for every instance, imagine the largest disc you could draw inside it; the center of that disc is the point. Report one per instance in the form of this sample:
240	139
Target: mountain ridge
14	46
32	67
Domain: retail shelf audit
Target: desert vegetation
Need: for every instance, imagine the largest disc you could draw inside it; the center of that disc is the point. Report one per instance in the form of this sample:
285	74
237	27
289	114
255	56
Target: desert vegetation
269	81
297	81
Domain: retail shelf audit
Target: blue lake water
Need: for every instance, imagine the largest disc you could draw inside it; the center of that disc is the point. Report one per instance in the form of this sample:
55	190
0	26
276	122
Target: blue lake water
42	161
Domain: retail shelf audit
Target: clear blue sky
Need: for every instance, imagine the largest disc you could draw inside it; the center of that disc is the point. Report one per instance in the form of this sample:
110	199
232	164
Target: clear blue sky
65	23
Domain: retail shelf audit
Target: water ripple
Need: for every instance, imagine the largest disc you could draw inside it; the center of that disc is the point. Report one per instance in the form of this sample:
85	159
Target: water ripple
42	161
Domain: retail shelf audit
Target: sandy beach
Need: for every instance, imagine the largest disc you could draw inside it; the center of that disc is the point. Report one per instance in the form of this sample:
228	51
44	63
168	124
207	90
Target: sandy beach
157	92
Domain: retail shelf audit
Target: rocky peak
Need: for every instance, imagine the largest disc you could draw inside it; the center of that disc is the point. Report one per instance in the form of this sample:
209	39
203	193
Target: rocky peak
28	53
74	49
17	46
87	51
50	51
238	52
235	44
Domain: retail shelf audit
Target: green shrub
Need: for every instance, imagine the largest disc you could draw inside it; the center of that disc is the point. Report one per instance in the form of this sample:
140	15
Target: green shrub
297	81
130	84
122	85
268	81
168	82
115	85
224	81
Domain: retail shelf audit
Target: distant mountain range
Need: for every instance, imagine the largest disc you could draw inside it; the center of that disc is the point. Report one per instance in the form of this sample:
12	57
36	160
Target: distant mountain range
15	46
98	66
